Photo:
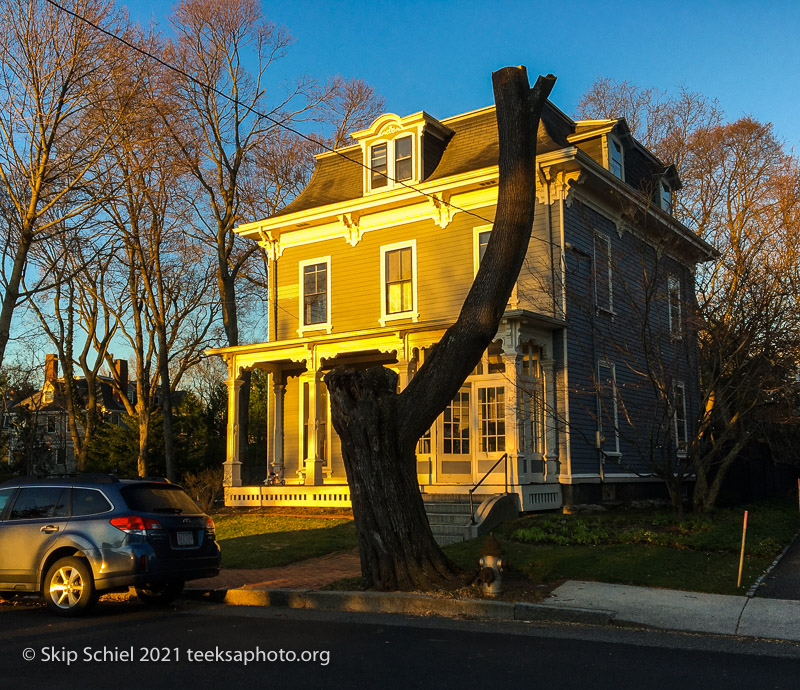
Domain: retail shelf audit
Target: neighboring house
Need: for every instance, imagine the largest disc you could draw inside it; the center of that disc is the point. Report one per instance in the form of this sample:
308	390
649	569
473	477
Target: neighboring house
46	411
370	270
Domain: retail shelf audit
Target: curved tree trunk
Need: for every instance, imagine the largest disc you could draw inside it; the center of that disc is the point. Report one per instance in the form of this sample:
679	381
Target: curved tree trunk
378	427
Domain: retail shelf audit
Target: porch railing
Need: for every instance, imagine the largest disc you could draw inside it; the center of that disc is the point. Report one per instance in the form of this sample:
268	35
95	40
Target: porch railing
504	459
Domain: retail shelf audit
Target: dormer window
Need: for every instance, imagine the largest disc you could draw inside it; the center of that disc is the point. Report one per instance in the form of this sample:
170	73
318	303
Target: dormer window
401	150
666	196
616	160
393	147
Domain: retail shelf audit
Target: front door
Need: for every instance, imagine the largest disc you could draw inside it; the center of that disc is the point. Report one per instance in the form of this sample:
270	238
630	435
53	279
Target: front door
455	451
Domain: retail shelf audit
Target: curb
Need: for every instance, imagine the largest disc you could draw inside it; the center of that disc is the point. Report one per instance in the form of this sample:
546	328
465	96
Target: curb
404	603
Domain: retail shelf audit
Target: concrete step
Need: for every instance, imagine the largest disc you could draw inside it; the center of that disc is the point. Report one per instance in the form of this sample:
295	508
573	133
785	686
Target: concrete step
450	531
448	518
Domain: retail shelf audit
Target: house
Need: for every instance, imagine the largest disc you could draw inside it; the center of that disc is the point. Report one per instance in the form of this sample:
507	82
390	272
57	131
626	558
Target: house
370	265
40	420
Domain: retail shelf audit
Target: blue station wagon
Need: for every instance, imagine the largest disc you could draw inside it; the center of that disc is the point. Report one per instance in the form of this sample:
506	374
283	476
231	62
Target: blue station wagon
73	539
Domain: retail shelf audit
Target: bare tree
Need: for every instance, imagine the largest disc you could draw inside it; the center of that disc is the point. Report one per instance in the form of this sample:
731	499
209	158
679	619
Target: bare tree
50	66
378	427
739	194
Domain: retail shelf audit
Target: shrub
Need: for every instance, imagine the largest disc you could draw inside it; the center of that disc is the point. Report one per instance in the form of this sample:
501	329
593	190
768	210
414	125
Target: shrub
205	487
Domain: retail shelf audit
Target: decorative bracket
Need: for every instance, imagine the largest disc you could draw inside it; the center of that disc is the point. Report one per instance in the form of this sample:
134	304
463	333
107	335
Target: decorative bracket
352	231
271	244
442	211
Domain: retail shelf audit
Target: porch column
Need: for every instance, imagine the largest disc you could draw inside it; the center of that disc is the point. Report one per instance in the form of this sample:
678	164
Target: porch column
550	420
233	467
512	366
313	464
279	390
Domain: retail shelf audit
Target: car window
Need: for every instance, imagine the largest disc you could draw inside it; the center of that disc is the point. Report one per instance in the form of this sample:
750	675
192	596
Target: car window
40	502
88	502
5	495
159	498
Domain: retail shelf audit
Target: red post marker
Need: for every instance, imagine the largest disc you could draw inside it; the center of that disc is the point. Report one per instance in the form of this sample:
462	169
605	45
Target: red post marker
741	556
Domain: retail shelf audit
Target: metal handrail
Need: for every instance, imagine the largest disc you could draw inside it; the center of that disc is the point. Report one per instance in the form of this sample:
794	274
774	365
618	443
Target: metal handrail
504	456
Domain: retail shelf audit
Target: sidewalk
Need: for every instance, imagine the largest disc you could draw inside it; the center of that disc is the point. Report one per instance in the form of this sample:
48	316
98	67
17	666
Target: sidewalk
297	586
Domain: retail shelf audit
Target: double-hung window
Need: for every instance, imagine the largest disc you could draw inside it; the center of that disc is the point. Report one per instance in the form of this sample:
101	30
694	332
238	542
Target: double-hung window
674	300
681	427
603	292
607	409
399	281
666	196
315	284
480	242
616	158
400	151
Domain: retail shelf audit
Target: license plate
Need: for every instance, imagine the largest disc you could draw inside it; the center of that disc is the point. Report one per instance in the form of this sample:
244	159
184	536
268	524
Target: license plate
185	539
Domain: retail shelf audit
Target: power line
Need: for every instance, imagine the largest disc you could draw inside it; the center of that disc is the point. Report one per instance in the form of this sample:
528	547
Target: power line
276	123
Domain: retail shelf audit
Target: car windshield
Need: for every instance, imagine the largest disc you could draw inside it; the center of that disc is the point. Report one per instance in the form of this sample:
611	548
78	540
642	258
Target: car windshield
159	498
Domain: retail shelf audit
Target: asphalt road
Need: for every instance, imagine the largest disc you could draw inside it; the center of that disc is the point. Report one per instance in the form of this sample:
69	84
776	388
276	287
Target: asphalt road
206	645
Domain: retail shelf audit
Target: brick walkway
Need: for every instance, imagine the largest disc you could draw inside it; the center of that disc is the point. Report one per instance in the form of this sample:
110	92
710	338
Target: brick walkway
310	574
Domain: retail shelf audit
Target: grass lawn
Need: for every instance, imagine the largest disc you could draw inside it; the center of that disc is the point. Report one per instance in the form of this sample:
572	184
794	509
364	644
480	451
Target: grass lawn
264	541
635	547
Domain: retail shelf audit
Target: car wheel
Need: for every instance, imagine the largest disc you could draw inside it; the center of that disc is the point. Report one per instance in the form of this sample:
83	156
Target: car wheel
69	587
160	595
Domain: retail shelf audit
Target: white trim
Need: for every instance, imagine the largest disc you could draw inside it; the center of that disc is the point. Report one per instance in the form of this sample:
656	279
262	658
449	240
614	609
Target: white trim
412	313
476	233
302	328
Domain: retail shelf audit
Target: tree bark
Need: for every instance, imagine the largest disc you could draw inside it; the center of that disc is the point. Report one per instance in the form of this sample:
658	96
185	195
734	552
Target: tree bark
379	428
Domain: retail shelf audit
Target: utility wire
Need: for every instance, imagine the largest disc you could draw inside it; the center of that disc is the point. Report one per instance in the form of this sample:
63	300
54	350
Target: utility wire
276	123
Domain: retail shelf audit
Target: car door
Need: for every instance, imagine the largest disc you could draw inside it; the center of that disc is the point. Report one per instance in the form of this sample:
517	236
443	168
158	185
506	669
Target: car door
36	518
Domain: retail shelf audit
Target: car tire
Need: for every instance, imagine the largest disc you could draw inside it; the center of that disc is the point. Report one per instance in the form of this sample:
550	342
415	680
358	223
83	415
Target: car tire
69	587
160	595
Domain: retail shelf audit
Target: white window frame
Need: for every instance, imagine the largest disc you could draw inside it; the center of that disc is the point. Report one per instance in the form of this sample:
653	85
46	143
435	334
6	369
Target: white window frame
610	141
391	162
602	237
680	385
327	325
412	313
675	291
476	245
604	363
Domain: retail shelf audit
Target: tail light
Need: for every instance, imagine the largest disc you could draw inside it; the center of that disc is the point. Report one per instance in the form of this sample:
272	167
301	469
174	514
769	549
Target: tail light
211	530
133	524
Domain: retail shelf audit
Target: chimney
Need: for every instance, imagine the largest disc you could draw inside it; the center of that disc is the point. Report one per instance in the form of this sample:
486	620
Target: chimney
121	376
51	368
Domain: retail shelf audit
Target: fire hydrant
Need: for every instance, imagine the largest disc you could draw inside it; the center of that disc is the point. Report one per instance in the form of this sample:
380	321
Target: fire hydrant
491	566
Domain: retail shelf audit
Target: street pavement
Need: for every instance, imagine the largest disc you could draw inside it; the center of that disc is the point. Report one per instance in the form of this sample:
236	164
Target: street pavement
774	613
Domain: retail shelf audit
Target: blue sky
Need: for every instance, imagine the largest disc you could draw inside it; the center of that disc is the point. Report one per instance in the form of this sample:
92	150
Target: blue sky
438	56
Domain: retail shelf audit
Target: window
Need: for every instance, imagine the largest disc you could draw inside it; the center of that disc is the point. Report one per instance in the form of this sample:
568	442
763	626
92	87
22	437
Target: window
666	197
5	496
377	162
424	444
681	427
455	425
603	294
51	423
531	401
675	317
315	279
616	160
480	242
403	168
492	419
88	502
40	502
399	280
607	414
401	151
